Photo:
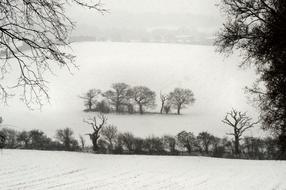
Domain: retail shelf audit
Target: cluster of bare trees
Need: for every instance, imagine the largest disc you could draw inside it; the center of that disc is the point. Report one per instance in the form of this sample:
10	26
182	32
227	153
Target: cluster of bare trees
179	98
122	98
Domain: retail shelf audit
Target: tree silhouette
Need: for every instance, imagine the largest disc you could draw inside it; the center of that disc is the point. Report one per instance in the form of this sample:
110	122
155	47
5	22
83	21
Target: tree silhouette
181	98
164	98
97	123
205	140
118	96
90	98
258	28
240	122
144	97
110	134
187	140
65	136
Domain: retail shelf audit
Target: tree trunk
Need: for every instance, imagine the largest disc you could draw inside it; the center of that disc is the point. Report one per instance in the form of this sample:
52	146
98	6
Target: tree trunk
94	139
207	149
26	144
189	148
236	145
117	107
110	145
179	109
67	145
89	106
172	148
162	108
94	146
130	108
141	109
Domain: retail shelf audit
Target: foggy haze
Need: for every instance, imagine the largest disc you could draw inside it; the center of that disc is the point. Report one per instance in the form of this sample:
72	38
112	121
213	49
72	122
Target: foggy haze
194	22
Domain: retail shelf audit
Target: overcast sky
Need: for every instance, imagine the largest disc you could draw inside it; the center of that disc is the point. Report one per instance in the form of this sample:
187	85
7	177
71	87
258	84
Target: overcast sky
202	7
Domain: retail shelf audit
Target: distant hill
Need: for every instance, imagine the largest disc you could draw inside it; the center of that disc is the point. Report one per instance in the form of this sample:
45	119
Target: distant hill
148	27
155	35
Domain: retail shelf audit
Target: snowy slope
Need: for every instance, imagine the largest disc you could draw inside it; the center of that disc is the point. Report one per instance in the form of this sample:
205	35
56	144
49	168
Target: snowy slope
31	170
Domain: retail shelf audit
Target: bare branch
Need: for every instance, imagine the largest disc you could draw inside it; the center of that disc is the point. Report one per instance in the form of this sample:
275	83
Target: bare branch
32	34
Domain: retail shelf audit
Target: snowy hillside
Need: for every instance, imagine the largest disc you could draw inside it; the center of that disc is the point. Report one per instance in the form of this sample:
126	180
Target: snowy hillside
27	169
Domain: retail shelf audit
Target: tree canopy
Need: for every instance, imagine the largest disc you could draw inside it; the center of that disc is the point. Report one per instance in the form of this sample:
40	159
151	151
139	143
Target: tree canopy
257	28
143	96
181	97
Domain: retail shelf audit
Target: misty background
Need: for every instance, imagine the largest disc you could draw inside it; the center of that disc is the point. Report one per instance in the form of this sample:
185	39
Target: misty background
163	21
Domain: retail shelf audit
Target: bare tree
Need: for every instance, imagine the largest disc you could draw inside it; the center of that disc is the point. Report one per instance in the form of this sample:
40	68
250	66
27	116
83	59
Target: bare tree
118	96
97	123
187	140
10	137
144	97
90	98
32	34
65	136
180	98
170	143
164	98
102	107
205	139
24	138
110	134
240	122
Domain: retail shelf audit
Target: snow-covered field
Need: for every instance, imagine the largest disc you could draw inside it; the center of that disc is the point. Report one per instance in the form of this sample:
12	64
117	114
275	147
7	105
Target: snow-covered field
31	170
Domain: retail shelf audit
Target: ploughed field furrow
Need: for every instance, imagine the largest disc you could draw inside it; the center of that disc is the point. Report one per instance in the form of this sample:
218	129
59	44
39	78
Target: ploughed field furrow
37	170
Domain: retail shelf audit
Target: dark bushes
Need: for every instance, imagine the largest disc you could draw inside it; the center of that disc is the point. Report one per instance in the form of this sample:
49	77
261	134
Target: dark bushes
113	142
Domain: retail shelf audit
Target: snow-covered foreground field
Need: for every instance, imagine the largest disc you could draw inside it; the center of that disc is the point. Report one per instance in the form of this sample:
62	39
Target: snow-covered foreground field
27	169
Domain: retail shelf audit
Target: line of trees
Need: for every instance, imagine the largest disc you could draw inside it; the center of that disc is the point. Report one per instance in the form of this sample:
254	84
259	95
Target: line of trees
122	98
36	139
111	141
106	138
